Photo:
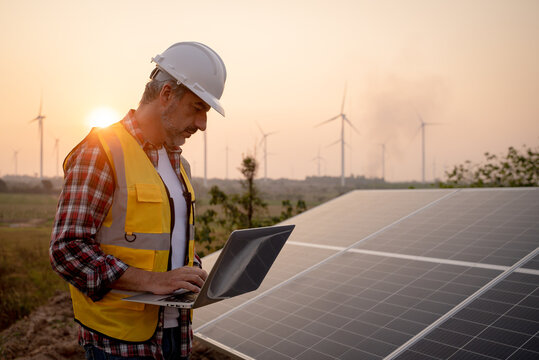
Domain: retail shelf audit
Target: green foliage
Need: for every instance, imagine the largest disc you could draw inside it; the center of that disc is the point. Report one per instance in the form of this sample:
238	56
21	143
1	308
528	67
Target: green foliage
241	210
288	210
237	211
517	168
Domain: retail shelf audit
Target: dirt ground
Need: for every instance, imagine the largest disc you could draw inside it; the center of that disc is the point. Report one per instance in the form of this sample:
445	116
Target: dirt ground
50	333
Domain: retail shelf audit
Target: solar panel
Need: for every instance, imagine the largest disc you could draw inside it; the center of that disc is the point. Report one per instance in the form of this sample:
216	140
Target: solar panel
353	306
328	224
503	323
367	211
290	262
369	284
489	226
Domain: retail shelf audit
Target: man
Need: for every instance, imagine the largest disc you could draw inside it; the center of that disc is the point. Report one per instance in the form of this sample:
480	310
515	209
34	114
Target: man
125	217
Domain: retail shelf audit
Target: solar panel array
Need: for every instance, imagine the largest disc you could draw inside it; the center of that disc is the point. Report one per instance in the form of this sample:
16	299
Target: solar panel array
407	274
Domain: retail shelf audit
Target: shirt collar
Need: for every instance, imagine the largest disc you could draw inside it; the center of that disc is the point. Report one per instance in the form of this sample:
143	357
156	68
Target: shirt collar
132	126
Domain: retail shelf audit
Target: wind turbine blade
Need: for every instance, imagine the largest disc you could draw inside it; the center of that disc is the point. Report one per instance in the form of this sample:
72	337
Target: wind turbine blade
417	132
352	125
343	98
333	143
40	102
324	122
260	128
434	123
420	118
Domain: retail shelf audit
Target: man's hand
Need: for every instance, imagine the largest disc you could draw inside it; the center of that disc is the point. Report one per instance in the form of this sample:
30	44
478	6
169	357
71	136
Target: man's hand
187	277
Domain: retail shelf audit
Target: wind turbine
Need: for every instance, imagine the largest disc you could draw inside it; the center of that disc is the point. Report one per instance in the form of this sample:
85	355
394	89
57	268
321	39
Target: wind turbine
265	141
344	119
39	118
422	128
318	159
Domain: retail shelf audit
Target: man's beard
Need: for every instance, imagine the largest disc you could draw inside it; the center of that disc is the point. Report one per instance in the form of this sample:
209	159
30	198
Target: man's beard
173	136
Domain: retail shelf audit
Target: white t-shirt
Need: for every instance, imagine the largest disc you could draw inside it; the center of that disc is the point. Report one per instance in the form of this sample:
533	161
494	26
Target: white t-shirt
179	233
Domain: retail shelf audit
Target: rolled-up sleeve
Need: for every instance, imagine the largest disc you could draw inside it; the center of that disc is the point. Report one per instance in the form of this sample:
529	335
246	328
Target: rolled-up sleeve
82	207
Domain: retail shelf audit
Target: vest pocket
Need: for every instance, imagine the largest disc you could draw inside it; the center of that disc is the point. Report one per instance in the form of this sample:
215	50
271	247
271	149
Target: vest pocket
148	193
147	210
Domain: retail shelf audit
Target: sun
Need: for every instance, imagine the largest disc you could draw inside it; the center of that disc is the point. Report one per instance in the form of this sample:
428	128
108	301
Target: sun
102	117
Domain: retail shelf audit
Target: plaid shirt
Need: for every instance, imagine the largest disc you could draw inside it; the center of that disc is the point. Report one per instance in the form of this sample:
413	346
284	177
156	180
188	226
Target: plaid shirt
84	202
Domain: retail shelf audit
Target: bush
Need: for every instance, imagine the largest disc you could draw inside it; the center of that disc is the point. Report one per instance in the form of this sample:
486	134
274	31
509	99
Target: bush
517	168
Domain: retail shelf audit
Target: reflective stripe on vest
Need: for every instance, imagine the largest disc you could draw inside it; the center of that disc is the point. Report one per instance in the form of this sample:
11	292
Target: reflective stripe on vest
137	231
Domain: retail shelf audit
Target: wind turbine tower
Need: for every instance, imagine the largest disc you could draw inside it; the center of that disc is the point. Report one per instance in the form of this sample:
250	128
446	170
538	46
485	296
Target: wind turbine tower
265	141
39	118
344	119
422	127
318	159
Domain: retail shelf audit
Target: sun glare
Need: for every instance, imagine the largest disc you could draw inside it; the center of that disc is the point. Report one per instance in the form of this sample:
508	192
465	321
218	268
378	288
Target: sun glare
102	117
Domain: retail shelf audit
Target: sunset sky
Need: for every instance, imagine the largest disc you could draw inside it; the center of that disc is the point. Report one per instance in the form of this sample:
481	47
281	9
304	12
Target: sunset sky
471	65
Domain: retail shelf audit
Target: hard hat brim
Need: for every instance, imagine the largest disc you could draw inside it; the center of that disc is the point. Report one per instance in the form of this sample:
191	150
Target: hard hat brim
206	97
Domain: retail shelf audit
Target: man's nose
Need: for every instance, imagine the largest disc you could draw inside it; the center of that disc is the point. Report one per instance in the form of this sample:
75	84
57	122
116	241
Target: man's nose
201	121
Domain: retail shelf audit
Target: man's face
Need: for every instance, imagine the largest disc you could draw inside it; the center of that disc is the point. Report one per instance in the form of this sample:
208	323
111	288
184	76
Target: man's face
182	118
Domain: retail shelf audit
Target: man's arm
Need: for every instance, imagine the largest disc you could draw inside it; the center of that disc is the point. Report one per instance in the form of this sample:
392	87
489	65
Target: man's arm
83	204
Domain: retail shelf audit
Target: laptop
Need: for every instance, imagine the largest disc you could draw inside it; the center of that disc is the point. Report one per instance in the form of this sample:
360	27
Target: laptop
240	268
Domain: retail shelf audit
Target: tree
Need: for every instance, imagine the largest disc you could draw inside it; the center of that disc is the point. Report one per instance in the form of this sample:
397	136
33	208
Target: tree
237	210
244	210
250	199
517	168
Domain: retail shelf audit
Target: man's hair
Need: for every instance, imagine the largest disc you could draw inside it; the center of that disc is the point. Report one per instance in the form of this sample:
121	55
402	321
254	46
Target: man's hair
159	79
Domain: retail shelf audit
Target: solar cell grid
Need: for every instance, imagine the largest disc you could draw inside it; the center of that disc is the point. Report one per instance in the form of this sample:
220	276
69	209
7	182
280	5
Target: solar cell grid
367	211
290	262
503	323
487	226
380	309
532	264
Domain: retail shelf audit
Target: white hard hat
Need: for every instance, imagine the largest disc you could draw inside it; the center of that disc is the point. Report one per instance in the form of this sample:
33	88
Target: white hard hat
197	67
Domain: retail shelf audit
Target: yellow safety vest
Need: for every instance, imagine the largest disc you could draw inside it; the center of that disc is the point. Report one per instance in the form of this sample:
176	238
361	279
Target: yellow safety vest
137	231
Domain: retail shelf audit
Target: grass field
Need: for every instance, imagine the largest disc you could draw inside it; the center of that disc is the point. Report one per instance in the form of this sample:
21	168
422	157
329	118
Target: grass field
26	209
26	277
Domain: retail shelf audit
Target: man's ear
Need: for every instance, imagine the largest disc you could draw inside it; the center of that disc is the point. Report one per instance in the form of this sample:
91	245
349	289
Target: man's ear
165	95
